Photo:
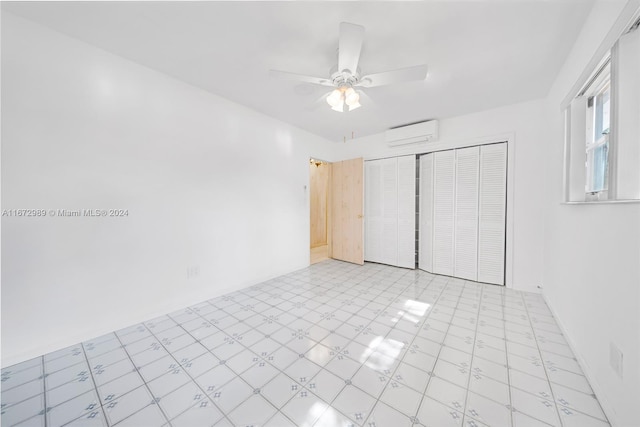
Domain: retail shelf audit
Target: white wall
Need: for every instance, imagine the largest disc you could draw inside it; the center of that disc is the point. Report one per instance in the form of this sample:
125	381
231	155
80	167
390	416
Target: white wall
207	183
628	94
592	251
523	126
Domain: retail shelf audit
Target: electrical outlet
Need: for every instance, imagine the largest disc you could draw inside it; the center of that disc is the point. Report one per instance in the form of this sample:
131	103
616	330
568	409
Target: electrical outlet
615	359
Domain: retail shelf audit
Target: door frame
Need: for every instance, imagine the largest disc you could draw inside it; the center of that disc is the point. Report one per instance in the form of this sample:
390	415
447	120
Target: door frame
328	205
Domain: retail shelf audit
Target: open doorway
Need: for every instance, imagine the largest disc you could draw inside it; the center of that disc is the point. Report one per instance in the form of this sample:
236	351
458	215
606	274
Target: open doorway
320	236
336	210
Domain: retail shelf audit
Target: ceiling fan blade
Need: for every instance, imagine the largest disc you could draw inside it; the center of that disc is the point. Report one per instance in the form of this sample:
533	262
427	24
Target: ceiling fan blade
365	99
350	45
285	75
418	72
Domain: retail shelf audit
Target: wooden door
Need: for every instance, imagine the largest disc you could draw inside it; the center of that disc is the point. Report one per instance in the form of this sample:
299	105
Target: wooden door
347	211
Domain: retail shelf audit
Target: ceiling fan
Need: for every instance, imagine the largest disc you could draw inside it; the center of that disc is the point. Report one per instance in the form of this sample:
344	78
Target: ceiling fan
346	76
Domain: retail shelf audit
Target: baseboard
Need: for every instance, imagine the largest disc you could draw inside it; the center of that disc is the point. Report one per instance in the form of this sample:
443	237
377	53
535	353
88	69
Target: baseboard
597	389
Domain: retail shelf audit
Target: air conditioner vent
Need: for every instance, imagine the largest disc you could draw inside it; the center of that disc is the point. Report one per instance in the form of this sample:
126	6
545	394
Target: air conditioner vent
416	133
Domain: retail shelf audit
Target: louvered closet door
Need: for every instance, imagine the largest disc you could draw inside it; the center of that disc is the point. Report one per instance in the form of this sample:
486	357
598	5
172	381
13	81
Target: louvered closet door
406	211
492	206
425	252
466	216
444	172
390	208
373	211
389	211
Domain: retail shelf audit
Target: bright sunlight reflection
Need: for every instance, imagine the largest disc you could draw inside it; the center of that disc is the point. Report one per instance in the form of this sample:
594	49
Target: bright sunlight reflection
314	413
413	311
331	418
381	353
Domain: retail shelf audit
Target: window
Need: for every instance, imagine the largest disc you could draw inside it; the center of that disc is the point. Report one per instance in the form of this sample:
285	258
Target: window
598	128
602	126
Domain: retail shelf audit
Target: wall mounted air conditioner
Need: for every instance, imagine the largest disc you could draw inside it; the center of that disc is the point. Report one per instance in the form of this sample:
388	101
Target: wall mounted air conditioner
417	133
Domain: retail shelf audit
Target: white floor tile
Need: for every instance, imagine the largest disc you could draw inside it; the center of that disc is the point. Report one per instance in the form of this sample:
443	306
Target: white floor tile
203	413
522	420
570	380
455	374
334	344
434	413
90	419
332	418
384	415
280	389
535	406
487	411
490	388
253	411
354	403
326	385
149	416
302	370
471	422
230	395
279	420
572	418
320	355
585	403
168	382
529	383
343	367
74	408
305	408
401	398
448	393
124	406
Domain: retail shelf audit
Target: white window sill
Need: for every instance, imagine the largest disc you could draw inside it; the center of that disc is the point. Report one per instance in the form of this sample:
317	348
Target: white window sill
602	202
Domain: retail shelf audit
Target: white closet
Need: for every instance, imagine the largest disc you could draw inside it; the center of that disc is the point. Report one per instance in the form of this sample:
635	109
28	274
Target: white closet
462	212
444	180
425	239
466	216
492	213
390	206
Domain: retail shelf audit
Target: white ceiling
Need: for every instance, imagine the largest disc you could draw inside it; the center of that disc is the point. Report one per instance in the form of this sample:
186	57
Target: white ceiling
480	54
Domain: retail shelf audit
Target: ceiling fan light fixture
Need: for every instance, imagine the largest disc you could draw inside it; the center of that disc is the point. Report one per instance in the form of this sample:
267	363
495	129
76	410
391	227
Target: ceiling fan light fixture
354	106
335	98
339	106
352	98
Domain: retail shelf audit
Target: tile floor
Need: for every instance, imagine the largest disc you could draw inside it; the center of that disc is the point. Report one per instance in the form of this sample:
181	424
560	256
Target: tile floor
334	344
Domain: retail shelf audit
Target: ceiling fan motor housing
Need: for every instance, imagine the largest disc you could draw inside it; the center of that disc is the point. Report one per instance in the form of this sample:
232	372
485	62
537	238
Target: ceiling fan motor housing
344	79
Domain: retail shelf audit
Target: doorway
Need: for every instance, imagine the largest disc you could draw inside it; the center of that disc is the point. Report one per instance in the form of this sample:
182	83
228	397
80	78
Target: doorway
336	210
320	235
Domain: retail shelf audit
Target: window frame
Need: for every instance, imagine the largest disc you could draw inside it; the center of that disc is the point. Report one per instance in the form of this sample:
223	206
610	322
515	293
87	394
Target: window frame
621	158
601	82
